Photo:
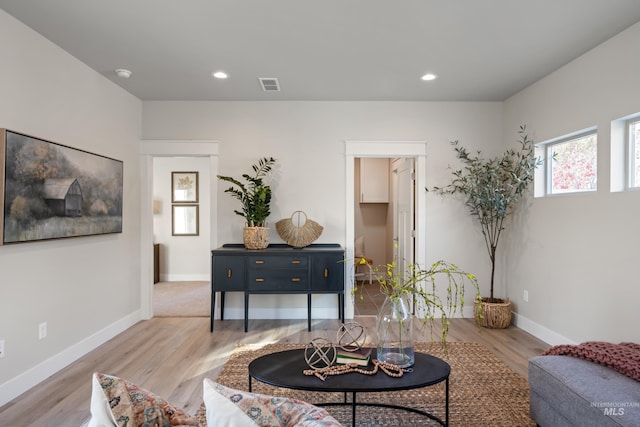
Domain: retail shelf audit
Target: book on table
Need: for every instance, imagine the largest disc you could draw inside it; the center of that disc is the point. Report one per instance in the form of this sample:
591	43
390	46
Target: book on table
359	357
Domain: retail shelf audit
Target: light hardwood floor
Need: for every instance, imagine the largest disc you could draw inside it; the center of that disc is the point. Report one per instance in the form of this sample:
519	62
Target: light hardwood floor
171	357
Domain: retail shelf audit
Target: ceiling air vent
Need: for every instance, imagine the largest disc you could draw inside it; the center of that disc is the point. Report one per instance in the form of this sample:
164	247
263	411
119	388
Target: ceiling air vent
269	84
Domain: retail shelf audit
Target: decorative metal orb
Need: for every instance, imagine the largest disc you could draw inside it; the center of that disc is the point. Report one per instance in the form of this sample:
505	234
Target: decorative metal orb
320	353
351	336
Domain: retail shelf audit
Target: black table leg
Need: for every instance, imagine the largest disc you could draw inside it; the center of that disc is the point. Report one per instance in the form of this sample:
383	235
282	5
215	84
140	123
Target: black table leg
446	403
246	311
309	312
353	409
222	305
213	308
213	305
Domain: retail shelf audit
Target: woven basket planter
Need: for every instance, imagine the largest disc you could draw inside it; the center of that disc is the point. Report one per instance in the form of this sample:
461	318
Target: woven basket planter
495	315
256	237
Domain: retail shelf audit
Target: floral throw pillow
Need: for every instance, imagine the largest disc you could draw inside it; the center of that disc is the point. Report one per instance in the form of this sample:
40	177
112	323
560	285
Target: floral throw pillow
227	407
119	403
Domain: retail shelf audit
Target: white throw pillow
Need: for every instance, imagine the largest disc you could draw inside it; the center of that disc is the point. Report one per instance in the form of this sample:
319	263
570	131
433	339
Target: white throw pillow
227	407
101	415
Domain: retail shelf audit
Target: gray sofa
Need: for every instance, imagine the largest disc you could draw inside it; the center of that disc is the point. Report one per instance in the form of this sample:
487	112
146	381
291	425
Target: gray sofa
569	391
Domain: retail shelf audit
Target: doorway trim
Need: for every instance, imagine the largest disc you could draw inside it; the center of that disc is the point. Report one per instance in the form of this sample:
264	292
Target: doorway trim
168	148
386	149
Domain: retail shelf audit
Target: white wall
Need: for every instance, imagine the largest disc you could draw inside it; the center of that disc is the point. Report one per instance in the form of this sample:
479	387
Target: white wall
308	140
576	254
87	288
182	258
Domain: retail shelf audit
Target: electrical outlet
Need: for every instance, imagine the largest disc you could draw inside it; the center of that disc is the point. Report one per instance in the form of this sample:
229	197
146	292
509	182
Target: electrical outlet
42	330
1	349
525	297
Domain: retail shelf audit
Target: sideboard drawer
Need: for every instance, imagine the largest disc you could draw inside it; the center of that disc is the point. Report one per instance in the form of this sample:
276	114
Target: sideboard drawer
278	262
290	280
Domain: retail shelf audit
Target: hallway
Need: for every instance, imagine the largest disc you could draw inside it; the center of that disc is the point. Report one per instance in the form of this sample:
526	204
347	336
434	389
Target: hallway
368	298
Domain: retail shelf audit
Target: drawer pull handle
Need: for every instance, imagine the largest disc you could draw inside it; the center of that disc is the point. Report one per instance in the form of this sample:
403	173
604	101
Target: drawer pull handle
296	261
229	273
295	279
259	279
260	262
326	273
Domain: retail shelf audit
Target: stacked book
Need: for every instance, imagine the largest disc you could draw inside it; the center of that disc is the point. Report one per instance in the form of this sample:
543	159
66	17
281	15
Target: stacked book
359	357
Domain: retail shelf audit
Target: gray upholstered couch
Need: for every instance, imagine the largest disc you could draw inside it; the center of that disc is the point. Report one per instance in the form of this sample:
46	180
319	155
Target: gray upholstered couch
569	391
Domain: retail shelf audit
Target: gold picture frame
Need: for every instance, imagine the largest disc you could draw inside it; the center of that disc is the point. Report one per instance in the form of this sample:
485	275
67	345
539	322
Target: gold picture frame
185	220
184	187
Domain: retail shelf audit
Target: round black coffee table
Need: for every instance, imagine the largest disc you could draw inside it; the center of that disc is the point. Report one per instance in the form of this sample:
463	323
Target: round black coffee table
284	369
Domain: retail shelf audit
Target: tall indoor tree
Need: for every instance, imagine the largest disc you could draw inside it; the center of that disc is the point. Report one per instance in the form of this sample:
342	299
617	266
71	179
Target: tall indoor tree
492	189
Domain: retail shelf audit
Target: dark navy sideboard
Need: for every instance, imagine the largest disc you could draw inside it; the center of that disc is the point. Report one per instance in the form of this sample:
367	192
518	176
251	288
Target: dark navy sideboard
278	269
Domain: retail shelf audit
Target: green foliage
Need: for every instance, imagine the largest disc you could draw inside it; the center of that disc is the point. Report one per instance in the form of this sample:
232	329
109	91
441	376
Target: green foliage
30	162
424	287
20	210
254	196
492	188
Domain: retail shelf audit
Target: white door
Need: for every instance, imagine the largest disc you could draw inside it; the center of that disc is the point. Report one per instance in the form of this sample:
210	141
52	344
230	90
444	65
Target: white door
404	208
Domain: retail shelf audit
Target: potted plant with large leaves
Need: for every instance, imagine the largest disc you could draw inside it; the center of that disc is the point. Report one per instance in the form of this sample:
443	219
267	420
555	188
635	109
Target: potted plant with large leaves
255	197
492	189
434	293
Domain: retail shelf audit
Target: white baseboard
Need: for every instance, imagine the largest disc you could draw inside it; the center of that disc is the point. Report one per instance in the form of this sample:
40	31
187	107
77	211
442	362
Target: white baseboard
539	331
28	379
535	329
282	313
185	277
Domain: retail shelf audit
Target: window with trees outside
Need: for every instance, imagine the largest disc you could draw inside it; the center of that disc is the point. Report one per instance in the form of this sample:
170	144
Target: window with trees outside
572	164
633	138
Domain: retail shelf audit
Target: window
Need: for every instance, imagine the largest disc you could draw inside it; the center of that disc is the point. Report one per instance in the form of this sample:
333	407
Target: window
572	163
633	138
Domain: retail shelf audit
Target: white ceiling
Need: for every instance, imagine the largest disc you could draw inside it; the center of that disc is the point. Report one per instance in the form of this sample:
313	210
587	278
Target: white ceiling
482	50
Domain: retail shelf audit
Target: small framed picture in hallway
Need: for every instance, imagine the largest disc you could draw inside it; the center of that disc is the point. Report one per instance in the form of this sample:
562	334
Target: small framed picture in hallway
184	220
184	187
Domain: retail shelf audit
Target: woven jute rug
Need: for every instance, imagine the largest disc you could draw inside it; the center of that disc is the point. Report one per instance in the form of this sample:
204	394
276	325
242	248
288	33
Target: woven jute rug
483	390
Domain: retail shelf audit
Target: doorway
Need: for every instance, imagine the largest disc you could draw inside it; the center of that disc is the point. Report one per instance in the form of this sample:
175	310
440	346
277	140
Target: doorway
149	151
183	259
397	150
383	223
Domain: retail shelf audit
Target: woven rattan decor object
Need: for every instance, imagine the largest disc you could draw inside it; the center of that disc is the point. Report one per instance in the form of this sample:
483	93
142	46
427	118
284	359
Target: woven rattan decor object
495	315
298	231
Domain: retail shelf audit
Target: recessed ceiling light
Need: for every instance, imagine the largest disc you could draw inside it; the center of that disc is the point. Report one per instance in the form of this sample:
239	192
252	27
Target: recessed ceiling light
429	76
219	75
122	73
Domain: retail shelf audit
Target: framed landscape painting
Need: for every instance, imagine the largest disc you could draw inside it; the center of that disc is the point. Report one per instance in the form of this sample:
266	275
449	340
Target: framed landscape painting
51	191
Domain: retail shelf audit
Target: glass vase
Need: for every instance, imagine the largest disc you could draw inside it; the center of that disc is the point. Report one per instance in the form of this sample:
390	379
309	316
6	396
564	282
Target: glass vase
394	327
